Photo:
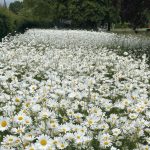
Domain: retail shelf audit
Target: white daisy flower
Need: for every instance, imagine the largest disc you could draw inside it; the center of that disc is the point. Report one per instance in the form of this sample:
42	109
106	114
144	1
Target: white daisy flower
43	142
4	123
20	118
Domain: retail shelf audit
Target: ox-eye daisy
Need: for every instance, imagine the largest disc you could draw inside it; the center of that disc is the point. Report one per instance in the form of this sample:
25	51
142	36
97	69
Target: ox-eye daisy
43	142
4	123
106	143
20	118
10	140
31	147
29	137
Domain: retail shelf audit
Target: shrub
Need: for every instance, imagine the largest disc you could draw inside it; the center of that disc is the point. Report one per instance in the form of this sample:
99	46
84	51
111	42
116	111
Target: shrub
7	22
25	23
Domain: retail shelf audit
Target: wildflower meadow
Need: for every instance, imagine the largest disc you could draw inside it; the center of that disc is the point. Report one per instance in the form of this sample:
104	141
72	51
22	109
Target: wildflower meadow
74	90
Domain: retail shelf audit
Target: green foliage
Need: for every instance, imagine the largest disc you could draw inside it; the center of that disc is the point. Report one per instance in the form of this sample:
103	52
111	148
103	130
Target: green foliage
16	7
81	14
30	23
122	25
38	10
85	13
7	22
135	12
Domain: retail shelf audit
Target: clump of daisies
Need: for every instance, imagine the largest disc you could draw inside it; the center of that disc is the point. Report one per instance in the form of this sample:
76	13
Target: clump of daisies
65	90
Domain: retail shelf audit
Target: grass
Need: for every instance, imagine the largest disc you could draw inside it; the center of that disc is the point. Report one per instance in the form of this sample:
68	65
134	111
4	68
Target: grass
137	47
127	31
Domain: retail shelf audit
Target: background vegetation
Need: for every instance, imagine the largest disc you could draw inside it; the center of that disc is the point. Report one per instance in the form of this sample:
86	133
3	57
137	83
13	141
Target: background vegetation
75	14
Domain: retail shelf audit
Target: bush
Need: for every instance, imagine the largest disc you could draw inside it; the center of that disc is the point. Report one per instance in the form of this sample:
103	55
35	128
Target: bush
25	23
122	25
7	22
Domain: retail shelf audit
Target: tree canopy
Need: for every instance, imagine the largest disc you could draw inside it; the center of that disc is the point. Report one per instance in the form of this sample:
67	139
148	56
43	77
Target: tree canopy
16	7
85	13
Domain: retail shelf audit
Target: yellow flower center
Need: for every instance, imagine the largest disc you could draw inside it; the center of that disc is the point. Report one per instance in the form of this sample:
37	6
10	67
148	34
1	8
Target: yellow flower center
126	102
62	145
78	117
43	142
10	140
30	135
78	137
138	110
44	99
52	121
17	141
55	142
27	104
20	118
26	144
90	122
19	131
95	111
3	124
24	111
17	100
106	143
133	97
45	116
53	125
31	148
64	130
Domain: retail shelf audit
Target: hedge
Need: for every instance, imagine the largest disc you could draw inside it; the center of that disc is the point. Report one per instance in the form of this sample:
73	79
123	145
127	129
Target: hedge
7	22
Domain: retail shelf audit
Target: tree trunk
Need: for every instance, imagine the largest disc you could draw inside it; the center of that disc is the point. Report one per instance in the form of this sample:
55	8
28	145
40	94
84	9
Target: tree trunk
109	26
134	28
108	22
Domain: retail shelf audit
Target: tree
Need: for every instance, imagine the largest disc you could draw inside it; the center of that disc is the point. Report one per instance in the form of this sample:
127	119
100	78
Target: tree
85	13
38	9
134	12
88	13
16	7
82	13
111	11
